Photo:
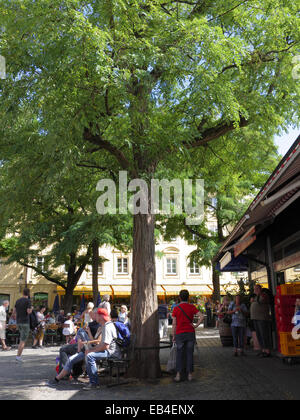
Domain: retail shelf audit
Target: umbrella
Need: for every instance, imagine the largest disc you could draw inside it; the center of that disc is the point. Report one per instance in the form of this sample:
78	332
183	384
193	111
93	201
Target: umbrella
98	300
56	305
82	304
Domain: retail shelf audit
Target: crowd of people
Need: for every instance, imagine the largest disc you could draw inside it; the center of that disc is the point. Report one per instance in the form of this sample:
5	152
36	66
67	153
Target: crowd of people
93	335
249	321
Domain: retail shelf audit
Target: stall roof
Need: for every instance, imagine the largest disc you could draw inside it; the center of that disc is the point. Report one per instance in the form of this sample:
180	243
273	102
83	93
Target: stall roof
281	190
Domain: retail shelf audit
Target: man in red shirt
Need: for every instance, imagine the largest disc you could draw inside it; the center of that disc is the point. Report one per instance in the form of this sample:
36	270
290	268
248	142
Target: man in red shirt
184	333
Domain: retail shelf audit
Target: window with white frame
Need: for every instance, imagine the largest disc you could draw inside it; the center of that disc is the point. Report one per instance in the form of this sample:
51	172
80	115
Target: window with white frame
194	268
40	263
122	266
171	268
100	270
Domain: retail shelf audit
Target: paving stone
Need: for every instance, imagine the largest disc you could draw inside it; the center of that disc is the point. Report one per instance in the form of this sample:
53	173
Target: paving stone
218	376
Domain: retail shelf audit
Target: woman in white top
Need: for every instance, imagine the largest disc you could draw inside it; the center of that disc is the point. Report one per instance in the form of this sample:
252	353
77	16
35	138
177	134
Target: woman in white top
123	315
39	331
69	328
86	315
3	309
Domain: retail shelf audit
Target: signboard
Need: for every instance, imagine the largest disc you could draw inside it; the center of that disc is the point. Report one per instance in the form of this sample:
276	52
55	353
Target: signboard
245	242
287	262
225	260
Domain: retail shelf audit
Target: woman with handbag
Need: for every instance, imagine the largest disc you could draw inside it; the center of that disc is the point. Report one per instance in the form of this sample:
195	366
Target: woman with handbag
238	312
184	334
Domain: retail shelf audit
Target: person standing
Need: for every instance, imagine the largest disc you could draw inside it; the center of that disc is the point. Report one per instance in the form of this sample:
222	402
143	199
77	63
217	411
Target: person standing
239	312
39	331
163	320
261	317
86	315
208	310
23	309
3	309
184	335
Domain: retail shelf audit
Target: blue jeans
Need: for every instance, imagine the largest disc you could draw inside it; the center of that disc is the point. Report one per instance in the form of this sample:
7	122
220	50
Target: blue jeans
91	366
238	334
185	343
83	335
78	357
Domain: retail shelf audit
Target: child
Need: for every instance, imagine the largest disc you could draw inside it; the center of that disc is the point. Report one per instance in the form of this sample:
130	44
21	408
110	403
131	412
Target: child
69	328
297	313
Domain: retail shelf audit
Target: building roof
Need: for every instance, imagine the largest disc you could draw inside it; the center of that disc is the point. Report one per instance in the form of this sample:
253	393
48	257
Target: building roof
281	190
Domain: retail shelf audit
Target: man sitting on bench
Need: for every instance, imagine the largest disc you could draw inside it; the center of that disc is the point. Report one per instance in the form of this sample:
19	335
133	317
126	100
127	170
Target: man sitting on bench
107	348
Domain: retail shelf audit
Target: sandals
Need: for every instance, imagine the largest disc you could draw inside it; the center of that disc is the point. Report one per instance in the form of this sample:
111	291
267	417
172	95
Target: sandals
6	349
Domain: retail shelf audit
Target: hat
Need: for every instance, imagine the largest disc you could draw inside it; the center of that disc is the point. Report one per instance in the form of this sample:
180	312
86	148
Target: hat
104	313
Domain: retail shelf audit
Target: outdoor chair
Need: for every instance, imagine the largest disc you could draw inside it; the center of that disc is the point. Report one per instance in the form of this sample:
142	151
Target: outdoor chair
51	335
12	336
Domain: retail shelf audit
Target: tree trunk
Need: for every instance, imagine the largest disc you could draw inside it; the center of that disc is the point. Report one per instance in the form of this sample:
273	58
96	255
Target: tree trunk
144	315
68	300
216	283
95	267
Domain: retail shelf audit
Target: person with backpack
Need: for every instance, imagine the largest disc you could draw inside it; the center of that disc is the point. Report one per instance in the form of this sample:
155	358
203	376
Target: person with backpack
184	334
71	356
260	313
108	348
123	331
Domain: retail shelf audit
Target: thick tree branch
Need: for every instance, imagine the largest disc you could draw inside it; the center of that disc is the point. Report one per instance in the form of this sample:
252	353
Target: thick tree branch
213	133
42	273
106	145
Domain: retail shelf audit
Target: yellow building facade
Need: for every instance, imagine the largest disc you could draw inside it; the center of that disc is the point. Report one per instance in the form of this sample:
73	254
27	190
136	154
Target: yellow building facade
173	273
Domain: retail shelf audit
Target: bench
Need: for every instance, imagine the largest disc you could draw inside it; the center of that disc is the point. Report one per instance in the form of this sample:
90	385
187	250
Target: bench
119	364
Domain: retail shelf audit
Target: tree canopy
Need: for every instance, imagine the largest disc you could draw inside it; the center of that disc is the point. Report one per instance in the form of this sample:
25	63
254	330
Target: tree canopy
136	84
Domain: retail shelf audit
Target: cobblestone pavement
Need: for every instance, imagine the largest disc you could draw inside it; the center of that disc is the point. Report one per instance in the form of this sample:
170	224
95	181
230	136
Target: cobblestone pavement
218	375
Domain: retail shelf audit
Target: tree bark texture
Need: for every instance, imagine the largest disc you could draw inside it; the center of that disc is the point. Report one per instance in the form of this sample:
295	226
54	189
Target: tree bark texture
144	304
95	266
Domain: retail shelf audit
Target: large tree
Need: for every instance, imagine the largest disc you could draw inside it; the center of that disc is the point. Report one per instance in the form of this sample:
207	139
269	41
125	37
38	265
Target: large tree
49	211
235	168
143	82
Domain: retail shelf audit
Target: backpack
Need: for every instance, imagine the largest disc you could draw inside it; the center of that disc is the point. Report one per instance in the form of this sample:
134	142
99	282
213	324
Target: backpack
123	332
33	320
270	296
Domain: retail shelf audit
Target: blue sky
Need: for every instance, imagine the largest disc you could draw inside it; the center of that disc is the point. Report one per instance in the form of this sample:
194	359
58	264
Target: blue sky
285	141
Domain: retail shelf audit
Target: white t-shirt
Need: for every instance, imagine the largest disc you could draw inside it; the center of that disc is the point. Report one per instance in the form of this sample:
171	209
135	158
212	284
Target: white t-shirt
2	313
69	330
109	334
